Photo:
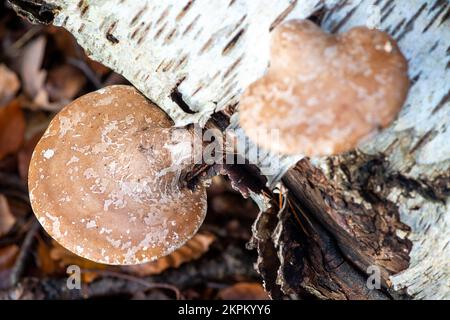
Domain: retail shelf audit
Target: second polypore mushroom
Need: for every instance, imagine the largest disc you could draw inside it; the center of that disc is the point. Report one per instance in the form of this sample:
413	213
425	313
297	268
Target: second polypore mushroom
104	183
324	93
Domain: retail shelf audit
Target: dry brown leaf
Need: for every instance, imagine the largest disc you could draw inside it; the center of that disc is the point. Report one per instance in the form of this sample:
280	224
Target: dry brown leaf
33	76
45	263
24	155
7	219
64	41
192	250
64	82
54	259
65	258
12	128
9	84
8	256
244	291
67	44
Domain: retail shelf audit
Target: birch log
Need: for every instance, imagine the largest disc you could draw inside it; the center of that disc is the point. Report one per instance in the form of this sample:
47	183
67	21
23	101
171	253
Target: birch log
386	204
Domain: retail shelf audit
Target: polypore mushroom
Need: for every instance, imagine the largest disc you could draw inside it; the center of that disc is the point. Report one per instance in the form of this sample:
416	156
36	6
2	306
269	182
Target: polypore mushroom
325	93
104	181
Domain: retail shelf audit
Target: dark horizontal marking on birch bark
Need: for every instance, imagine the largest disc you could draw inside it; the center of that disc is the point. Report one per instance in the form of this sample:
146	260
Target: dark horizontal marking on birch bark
81	28
232	67
317	16
215	76
441	103
138	16
65	21
410	24
415	79
163	15
434	46
180	62
343	21
206	46
159	66
445	17
167	66
385	6
199	32
197	90
184	10
438	3
170	36
283	15
229	90
232	43
190	25
236	26
144	33
177	97
135	32
337	6
231	3
425	138
111	38
84	10
433	19
230	80
397	27
387	14
109	34
159	32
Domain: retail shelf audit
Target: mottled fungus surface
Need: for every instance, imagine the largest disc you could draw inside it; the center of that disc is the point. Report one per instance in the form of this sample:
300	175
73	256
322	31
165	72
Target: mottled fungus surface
104	179
324	93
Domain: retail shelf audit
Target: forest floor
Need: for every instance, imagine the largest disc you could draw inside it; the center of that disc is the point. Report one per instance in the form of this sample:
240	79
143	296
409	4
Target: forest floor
42	69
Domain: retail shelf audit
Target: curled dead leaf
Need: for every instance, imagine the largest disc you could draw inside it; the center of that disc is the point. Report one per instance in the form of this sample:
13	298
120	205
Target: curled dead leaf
8	256
33	76
7	219
54	259
64	82
9	84
243	291
192	250
24	155
65	258
12	128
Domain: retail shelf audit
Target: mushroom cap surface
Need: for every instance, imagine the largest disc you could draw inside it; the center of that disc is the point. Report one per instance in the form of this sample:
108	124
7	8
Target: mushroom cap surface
323	93
104	179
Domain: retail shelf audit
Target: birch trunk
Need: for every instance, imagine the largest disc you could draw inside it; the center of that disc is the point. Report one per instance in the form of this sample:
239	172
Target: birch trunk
386	204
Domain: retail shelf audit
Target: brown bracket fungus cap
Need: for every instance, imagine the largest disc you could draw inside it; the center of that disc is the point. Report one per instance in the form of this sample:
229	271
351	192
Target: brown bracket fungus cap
323	92
104	181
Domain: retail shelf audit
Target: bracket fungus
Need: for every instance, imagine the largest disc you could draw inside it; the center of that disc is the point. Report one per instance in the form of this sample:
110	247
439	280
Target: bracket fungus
325	93
104	179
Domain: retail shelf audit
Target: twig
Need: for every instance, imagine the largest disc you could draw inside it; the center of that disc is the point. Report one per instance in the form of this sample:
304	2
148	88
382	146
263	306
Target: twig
148	285
88	72
19	266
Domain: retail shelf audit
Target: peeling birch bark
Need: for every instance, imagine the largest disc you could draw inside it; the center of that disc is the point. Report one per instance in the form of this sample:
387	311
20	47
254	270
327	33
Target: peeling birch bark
194	58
